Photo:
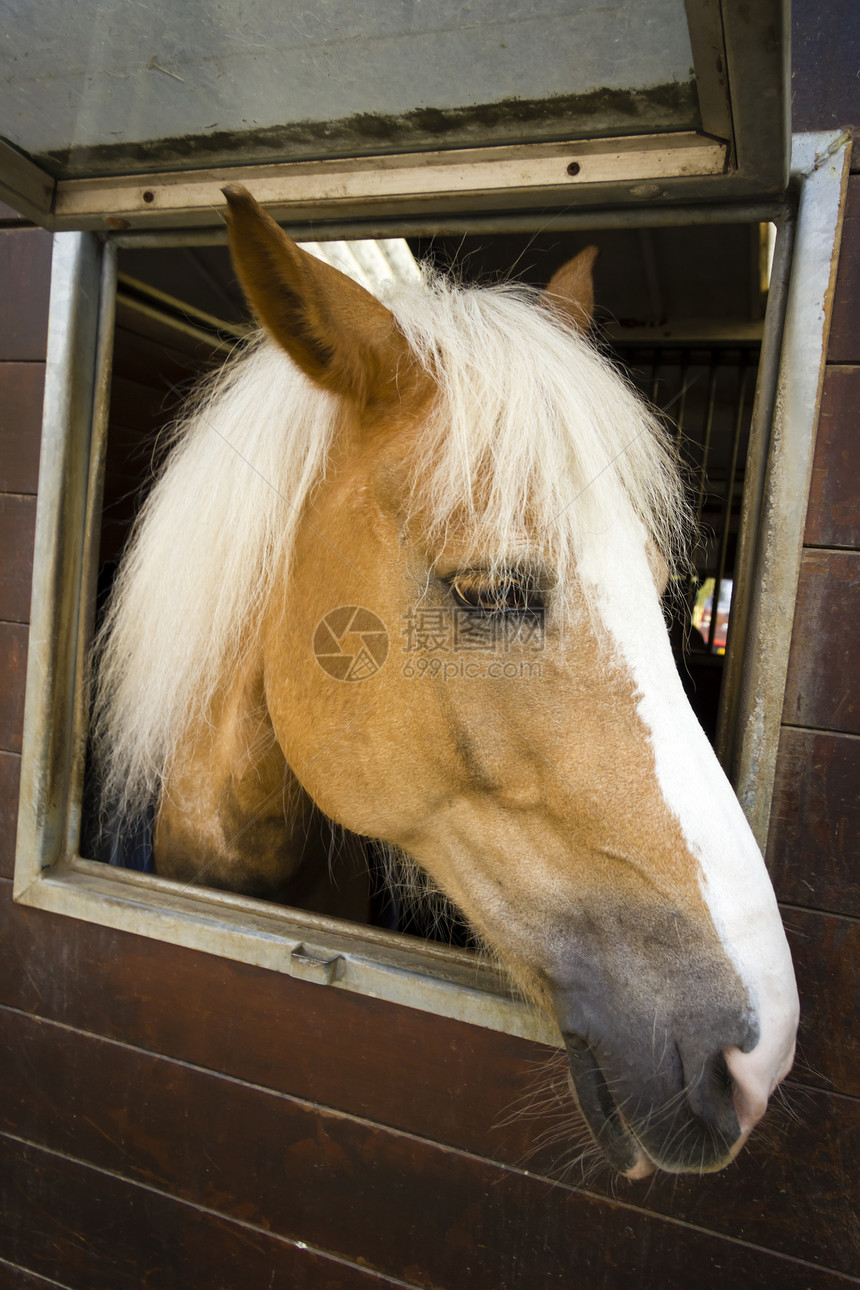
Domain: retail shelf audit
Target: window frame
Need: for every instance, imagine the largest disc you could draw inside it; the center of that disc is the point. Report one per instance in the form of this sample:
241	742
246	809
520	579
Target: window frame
50	874
741	64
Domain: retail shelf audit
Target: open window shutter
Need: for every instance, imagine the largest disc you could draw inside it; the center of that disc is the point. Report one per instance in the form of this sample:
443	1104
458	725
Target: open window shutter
124	116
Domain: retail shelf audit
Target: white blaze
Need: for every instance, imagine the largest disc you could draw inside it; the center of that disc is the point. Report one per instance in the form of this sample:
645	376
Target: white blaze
733	878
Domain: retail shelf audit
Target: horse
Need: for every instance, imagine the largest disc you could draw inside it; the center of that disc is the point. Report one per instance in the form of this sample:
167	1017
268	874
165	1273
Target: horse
454	455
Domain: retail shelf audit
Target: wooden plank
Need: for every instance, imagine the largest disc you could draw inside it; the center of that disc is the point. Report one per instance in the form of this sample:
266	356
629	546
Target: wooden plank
17	535
25	278
844	346
826	953
13	674
823	683
93	1231
10	778
21	389
13	1277
824	44
455	1083
814	837
833	515
352	1187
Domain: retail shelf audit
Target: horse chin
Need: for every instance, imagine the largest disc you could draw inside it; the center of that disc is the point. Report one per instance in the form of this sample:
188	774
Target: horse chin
616	1141
598	1108
643	1168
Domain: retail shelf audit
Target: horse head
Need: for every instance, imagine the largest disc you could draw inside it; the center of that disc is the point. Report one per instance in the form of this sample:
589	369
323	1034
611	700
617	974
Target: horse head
489	474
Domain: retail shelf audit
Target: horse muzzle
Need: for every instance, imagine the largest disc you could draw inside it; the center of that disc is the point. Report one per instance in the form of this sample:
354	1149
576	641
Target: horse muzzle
672	1055
642	1119
663	1079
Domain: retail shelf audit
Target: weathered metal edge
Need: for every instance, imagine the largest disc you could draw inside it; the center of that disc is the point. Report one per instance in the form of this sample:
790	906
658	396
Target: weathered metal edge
325	188
339	957
58	556
820	167
25	186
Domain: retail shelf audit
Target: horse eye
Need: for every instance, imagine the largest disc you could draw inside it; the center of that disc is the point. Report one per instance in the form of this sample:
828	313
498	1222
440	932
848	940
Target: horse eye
502	595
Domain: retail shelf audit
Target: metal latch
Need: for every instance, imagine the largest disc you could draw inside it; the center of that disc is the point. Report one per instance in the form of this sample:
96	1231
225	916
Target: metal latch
310	967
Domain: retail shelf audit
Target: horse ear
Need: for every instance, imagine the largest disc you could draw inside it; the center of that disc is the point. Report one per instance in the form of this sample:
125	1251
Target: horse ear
571	289
340	335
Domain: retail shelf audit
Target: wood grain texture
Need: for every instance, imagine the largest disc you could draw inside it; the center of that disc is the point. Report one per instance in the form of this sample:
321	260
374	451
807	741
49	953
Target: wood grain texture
844	346
287	1166
823	683
826	953
13	675
833	515
25	278
10	778
13	1277
474	1090
814	841
94	1231
17	535
825	40
336	1047
385	1063
22	387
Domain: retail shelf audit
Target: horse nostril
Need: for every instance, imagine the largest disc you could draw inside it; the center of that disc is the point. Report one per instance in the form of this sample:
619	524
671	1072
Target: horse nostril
711	1097
719	1076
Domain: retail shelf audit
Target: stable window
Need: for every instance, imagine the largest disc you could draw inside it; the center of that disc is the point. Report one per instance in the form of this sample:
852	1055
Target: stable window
641	165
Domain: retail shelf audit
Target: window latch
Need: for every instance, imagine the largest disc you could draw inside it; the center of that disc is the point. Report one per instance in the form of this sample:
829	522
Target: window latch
311	967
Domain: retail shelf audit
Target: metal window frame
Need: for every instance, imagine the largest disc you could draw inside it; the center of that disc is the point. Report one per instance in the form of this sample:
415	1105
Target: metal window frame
49	872
741	60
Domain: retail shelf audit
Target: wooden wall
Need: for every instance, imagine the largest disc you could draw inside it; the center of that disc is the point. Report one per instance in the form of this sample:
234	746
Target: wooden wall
176	1121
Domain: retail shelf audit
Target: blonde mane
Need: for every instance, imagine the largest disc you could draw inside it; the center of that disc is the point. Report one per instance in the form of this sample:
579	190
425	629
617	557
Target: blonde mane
535	443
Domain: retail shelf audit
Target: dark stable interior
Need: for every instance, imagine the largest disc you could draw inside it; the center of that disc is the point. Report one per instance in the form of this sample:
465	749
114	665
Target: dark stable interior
679	310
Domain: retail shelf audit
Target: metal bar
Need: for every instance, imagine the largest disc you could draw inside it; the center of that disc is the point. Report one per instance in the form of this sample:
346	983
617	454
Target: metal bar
652	276
63	471
705	26
682	400
92	537
160	302
223	339
539	221
758	55
727	504
820	173
692	583
557	168
706	435
24	185
656	364
730	717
